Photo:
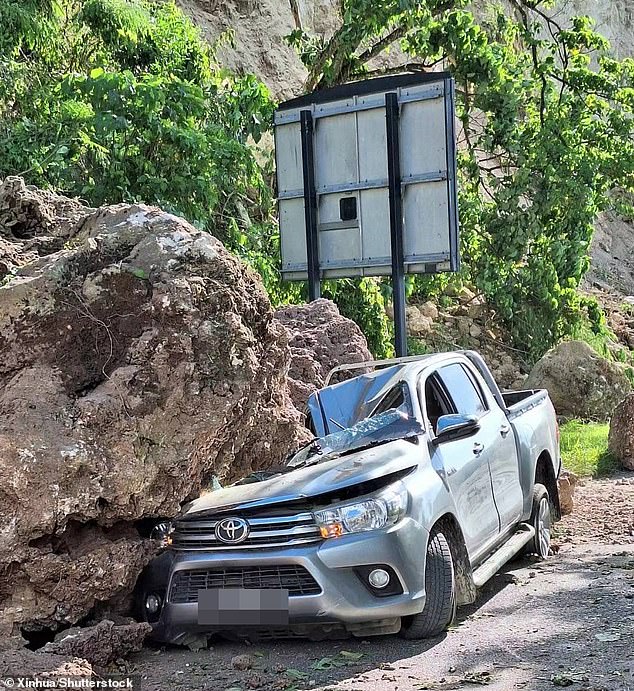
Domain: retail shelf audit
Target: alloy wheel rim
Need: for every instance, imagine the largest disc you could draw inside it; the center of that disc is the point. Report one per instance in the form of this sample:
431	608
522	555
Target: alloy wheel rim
543	527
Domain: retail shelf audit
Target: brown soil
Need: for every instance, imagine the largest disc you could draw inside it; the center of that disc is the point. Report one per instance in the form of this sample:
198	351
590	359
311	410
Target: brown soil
566	621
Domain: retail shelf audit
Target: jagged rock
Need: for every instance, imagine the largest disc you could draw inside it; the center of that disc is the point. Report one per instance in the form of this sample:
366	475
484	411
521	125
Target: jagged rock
567	483
464	325
24	662
428	309
581	383
466	295
32	223
418	325
475	331
136	361
242	662
100	644
320	339
621	437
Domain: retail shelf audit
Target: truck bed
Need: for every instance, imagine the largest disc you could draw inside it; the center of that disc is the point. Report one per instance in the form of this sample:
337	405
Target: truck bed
519	402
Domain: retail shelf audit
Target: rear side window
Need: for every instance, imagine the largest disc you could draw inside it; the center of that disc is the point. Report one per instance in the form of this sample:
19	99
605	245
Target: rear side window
463	390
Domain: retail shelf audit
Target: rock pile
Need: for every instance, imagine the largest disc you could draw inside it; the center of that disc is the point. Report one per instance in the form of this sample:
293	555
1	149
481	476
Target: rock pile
469	323
101	644
137	358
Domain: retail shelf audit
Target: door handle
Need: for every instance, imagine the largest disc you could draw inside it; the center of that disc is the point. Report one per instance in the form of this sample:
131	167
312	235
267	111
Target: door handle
504	430
478	448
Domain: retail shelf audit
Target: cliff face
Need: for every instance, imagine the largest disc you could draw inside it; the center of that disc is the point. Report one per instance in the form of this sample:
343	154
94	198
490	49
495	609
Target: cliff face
260	28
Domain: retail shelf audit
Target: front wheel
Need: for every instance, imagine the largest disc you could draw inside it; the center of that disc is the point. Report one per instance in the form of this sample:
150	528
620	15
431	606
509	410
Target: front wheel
440	588
541	520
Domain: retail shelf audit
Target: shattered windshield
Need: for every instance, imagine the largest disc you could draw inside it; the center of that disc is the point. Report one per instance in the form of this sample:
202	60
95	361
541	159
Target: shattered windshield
388	426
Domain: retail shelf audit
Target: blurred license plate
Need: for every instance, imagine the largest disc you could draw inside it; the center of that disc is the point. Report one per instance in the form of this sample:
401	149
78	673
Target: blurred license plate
243	607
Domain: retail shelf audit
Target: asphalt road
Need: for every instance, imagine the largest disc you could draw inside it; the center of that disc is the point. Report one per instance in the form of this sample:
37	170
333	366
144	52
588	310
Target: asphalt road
564	622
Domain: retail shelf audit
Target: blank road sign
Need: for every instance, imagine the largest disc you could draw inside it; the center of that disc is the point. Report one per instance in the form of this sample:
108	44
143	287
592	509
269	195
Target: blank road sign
351	177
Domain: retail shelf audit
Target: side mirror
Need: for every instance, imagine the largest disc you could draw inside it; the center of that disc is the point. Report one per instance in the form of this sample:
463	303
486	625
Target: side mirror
450	427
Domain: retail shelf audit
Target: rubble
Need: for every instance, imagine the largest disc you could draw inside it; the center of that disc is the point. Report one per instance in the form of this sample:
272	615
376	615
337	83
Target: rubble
101	644
137	359
469	323
621	436
18	662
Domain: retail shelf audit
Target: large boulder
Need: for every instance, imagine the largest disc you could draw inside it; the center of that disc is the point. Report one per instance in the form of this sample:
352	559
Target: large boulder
137	359
581	383
320	339
621	437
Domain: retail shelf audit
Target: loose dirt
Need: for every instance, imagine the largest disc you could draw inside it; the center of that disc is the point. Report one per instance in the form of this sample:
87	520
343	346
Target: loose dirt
564	622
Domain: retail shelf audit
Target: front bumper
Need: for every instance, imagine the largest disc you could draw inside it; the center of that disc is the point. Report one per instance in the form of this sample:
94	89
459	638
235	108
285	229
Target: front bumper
344	602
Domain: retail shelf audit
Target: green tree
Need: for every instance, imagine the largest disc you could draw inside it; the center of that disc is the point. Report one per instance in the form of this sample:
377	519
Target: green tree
546	136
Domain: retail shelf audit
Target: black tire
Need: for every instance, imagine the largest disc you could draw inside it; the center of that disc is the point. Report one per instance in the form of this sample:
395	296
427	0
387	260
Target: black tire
440	587
542	521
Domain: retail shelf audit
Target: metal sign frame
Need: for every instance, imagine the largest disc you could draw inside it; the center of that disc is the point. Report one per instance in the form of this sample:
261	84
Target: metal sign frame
391	95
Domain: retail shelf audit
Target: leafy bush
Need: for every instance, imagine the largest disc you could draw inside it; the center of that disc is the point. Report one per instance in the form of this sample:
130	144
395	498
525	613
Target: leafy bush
362	301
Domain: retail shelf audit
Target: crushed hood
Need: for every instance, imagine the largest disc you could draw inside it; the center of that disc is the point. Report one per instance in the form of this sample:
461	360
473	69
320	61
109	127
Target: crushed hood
312	481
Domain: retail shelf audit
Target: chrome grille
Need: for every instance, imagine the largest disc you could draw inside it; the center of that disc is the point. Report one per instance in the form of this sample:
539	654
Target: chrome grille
292	577
264	531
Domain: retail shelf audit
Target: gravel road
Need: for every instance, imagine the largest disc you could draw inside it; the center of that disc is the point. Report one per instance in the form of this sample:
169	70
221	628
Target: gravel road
564	622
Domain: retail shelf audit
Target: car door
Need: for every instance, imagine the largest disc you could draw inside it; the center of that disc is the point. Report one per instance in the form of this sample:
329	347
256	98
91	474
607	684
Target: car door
502	458
464	463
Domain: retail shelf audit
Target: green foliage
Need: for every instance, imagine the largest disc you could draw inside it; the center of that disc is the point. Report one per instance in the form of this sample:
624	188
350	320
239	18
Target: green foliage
122	100
584	449
25	23
362	301
547	134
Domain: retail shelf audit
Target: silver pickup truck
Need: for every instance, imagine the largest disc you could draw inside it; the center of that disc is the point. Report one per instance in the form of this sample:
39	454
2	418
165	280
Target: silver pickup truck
422	481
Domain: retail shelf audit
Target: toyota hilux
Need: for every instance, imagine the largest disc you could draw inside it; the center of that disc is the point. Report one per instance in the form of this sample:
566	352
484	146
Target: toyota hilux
422	481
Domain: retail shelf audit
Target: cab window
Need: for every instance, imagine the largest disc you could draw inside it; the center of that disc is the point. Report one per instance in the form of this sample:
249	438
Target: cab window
437	403
395	398
463	390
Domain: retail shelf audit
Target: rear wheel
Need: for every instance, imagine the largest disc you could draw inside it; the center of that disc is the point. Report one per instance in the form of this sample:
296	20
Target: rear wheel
541	520
440	588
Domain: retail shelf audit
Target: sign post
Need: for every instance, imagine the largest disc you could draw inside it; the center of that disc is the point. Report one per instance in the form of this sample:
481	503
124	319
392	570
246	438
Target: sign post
396	222
366	176
310	205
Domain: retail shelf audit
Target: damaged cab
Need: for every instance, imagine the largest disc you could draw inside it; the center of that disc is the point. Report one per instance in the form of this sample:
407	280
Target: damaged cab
422	481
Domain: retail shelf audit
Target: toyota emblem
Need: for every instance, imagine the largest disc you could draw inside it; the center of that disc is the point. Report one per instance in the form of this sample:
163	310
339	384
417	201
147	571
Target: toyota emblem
231	531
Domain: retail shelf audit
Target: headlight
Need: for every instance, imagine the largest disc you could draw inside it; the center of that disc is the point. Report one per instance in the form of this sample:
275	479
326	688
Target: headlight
384	509
163	533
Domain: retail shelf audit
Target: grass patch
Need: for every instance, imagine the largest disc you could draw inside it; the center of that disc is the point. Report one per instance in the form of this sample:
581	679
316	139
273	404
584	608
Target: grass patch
584	449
